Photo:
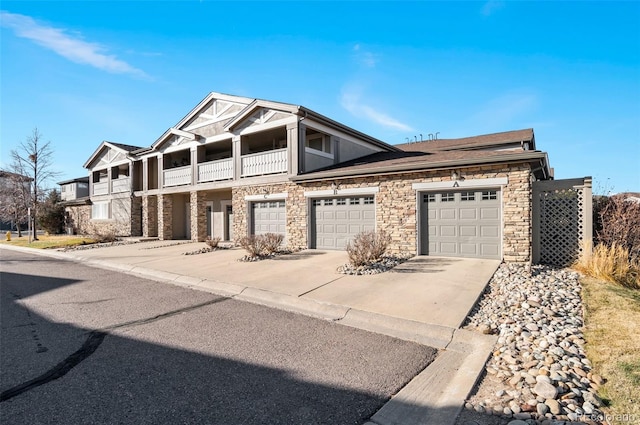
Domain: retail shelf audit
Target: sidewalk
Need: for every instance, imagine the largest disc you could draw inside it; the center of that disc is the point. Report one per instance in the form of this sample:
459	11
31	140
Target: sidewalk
424	300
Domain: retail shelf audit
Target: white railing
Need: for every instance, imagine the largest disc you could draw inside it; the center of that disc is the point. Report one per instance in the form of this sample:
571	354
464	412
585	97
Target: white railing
101	188
264	163
120	185
176	176
221	169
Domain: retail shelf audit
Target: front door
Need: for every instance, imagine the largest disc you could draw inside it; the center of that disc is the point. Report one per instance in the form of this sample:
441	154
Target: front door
228	223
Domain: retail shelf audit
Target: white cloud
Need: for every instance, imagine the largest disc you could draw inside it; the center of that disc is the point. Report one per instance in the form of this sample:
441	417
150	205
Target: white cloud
71	47
365	58
350	101
505	110
491	6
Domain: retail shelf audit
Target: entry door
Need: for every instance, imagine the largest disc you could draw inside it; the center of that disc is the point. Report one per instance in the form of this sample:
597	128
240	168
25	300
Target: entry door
210	219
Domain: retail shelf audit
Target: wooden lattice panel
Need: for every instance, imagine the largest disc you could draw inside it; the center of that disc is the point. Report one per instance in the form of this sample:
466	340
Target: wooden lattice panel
561	225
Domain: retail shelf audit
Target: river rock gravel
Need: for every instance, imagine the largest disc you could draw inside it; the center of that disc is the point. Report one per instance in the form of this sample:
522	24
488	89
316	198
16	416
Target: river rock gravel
538	372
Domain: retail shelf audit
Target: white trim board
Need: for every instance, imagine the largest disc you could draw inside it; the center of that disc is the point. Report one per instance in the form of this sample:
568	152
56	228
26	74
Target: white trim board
461	184
342	192
267	196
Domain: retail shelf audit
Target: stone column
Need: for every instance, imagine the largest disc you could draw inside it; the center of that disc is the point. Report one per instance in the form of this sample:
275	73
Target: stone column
198	216
136	216
149	216
165	217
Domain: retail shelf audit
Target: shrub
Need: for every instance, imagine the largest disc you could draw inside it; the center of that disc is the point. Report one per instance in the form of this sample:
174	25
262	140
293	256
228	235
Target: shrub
212	242
261	245
367	247
271	242
610	263
619	222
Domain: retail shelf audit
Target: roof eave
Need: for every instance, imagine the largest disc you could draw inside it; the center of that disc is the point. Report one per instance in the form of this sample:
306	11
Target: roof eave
403	168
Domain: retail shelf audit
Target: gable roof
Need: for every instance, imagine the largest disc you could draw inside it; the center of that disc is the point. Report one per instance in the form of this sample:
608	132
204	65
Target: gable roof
475	142
126	149
76	180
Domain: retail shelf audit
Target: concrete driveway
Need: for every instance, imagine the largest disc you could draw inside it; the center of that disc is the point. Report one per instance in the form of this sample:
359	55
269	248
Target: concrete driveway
433	290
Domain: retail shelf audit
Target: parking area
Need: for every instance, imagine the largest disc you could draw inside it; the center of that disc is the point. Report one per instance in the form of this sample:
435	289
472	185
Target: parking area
433	290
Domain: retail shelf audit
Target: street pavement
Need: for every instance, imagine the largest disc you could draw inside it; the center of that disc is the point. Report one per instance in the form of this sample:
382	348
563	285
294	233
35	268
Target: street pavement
84	345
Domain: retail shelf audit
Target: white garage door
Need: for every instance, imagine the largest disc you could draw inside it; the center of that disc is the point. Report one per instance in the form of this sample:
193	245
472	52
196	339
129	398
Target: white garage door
268	217
335	221
461	224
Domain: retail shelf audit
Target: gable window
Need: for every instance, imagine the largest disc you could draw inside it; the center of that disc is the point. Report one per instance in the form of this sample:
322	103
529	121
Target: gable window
100	210
319	144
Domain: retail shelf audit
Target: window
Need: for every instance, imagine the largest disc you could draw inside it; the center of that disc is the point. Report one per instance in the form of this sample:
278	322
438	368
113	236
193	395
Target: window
319	142
328	202
430	197
489	195
468	196
354	201
316	202
368	200
100	210
341	201
447	197
63	188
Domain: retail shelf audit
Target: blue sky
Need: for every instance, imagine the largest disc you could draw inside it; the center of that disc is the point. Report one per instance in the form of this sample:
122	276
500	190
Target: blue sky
84	72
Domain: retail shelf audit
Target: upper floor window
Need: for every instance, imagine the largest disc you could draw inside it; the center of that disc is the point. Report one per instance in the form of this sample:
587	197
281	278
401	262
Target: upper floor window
318	142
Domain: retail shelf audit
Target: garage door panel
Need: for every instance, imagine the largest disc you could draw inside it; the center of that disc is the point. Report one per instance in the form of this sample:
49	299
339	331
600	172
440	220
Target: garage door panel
463	225
448	214
468	231
489	231
450	248
468	213
489	213
448	231
338	220
468	249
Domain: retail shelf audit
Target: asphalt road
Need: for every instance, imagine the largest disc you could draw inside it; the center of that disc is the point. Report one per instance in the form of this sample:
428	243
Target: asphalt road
82	345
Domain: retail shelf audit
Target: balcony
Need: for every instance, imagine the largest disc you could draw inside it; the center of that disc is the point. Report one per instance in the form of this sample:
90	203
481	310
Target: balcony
121	185
269	162
221	169
176	176
101	188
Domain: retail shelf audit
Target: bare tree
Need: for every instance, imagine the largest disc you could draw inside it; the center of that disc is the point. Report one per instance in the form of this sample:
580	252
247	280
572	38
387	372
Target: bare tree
33	159
14	198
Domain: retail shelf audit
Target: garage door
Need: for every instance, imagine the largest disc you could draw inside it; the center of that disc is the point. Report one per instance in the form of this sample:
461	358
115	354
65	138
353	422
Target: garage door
461	224
268	217
335	221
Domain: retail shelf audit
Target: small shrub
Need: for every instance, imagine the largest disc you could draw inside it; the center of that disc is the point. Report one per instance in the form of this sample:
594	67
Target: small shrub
254	245
620	225
261	245
8	234
106	237
212	242
367	247
610	263
271	242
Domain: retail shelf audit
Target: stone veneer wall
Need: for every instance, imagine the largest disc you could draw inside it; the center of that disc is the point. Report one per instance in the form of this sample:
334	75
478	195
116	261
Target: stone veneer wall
396	209
78	217
136	216
149	216
198	203
165	217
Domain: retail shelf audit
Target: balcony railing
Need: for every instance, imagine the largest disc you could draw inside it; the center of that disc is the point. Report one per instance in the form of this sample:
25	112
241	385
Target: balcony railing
269	162
101	188
121	185
221	169
176	176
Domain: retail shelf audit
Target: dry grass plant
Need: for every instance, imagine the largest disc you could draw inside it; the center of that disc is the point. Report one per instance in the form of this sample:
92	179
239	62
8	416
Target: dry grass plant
261	245
610	263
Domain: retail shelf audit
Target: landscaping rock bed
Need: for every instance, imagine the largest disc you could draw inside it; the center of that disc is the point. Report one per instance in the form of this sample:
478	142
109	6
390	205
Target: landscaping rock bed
538	371
251	259
98	245
386	263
